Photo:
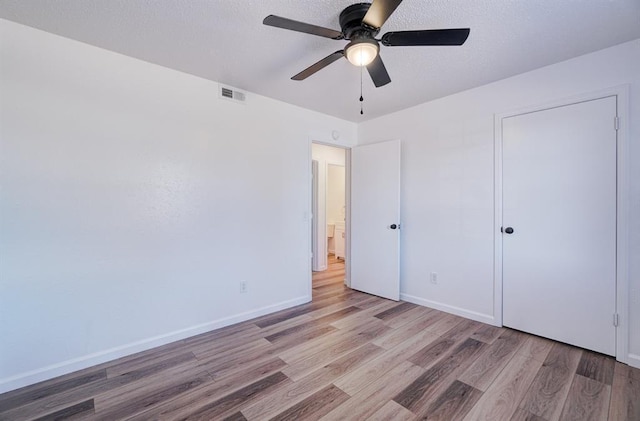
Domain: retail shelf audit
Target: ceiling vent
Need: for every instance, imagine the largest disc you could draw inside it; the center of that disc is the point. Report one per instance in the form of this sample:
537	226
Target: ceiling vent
231	94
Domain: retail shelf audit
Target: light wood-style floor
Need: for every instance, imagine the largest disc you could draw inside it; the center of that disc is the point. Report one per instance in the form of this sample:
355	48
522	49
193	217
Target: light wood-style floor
344	356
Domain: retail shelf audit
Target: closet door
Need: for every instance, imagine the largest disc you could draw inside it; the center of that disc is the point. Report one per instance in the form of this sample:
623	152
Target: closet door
559	223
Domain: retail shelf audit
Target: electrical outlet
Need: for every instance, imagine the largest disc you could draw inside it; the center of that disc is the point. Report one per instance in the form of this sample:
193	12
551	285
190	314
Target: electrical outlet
433	277
243	287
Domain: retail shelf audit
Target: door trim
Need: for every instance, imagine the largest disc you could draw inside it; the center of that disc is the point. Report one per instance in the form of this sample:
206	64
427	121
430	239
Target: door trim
347	217
622	208
315	262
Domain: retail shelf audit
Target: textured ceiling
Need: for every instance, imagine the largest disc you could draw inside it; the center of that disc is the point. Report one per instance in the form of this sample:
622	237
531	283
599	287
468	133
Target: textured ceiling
225	41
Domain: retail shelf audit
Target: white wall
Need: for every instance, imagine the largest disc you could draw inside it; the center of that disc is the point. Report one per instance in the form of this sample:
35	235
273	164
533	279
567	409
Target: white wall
325	155
448	175
134	200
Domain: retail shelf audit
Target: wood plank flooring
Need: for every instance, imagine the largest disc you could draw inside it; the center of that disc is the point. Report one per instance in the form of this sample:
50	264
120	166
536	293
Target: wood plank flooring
344	356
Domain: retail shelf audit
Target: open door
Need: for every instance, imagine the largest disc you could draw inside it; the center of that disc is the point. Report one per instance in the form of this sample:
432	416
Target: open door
375	219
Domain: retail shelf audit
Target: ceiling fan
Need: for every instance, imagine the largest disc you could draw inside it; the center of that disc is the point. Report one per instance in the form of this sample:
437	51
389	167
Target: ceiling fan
360	24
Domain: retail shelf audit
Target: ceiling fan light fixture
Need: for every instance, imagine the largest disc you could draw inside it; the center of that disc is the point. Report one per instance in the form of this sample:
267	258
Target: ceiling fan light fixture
362	52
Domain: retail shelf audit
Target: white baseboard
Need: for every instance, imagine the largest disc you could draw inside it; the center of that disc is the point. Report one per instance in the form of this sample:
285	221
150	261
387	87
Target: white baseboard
467	314
633	360
69	366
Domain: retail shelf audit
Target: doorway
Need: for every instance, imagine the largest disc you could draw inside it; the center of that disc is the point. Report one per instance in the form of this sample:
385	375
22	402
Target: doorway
329	208
366	226
558	196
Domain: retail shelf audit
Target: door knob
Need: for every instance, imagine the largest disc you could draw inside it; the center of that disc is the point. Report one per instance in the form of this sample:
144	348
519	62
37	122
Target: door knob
508	230
393	226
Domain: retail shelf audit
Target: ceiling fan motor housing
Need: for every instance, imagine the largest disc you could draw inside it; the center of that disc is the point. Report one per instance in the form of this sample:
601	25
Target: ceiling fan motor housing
352	25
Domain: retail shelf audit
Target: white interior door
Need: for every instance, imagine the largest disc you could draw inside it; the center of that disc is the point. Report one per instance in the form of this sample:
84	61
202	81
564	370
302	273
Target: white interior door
375	219
559	198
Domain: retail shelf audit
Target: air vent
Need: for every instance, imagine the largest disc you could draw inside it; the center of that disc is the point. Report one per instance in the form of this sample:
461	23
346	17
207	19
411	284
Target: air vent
231	94
227	93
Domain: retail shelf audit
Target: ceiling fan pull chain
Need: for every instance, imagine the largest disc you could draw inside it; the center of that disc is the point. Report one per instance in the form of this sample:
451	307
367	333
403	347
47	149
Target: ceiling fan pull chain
361	98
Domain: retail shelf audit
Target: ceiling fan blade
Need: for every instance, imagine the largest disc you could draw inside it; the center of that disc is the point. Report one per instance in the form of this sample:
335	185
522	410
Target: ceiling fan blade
426	37
378	72
319	65
379	12
307	28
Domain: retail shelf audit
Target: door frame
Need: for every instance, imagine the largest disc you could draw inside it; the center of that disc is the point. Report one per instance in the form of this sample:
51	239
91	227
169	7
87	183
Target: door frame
622	207
314	214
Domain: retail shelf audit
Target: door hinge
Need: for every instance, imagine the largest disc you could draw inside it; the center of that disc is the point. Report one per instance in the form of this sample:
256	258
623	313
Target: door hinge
616	122
616	320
